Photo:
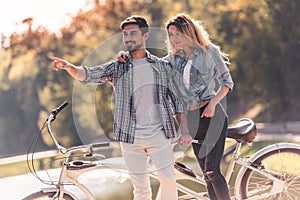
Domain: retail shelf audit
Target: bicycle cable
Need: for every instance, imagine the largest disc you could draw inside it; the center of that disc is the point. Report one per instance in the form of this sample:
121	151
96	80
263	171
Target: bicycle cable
33	146
30	161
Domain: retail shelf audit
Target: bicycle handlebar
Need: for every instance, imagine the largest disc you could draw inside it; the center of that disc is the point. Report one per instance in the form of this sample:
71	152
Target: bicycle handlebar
89	149
62	149
58	109
100	145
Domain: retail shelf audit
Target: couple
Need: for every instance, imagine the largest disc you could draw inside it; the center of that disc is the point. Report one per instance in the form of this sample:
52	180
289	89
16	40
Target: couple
150	91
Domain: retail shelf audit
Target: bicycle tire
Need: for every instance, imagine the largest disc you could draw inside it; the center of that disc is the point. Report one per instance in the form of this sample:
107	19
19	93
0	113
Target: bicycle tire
285	162
45	196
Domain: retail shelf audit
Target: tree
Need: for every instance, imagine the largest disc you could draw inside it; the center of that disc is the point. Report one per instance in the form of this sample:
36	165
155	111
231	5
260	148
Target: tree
261	38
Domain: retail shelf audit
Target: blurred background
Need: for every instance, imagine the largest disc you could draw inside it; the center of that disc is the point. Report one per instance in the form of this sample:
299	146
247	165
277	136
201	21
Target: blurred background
261	37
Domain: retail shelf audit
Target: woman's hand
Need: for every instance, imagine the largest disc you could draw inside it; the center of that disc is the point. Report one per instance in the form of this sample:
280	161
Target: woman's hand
209	111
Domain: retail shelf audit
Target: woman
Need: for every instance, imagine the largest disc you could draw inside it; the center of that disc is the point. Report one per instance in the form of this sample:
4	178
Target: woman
204	80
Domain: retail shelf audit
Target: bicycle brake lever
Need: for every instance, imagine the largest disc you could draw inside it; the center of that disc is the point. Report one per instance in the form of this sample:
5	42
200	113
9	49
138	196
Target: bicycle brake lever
90	154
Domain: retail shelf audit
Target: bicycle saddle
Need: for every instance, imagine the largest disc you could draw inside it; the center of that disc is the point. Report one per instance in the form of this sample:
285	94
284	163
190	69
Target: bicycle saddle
243	131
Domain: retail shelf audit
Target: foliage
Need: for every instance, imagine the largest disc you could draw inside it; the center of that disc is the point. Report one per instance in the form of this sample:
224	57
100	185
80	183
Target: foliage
261	38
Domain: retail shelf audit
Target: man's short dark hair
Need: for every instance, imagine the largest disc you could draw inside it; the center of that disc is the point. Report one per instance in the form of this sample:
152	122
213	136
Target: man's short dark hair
138	20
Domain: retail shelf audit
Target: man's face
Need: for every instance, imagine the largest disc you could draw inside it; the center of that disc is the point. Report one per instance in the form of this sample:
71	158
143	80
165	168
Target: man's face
133	38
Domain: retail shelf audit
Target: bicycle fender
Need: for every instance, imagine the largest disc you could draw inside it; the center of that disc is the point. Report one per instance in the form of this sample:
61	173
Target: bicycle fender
273	147
265	150
52	189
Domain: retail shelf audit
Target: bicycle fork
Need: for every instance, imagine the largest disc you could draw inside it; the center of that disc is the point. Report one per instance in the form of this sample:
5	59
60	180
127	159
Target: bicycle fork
61	180
68	177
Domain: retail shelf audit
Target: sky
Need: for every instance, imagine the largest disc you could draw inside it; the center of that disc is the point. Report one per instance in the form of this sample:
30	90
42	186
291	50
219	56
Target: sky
53	14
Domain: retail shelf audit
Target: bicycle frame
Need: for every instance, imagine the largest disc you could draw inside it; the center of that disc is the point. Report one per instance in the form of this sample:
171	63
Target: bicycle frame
72	170
189	193
278	184
71	176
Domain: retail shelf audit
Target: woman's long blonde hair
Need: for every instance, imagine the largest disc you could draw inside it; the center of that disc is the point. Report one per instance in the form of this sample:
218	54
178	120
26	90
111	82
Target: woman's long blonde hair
194	33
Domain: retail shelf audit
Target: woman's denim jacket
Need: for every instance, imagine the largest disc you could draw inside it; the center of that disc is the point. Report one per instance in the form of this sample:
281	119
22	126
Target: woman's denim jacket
208	72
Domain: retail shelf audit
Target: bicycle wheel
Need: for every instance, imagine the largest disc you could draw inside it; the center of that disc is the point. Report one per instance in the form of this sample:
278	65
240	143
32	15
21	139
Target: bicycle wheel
46	195
282	163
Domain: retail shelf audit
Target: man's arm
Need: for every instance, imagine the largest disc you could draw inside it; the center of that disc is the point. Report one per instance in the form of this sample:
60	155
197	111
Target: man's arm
76	72
185	138
181	119
180	110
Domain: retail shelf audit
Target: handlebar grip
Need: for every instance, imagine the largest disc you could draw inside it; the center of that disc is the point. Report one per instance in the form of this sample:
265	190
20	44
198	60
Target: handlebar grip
58	109
99	145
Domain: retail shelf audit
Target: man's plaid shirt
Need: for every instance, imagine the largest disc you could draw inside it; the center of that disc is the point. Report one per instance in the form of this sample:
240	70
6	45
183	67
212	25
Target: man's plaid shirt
121	76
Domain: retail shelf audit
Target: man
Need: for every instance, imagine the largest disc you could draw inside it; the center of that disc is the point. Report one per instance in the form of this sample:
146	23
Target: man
145	101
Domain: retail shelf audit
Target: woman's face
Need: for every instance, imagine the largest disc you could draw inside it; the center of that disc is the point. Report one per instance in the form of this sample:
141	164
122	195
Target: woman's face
177	38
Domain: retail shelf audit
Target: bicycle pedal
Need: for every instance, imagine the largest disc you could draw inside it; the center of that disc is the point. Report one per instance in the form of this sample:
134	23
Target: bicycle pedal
79	164
184	169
